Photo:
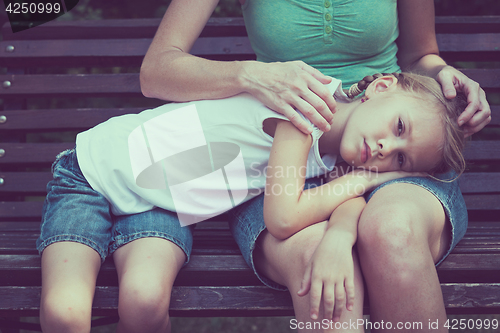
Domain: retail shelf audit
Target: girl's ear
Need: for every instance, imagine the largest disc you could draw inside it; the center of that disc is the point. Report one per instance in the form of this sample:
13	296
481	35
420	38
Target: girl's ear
383	84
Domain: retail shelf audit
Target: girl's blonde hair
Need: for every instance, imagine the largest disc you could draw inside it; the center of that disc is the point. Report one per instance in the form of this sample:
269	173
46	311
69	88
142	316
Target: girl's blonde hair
425	87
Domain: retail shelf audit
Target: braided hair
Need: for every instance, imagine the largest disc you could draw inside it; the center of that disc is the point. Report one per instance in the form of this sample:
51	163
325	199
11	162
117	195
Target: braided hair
450	109
361	86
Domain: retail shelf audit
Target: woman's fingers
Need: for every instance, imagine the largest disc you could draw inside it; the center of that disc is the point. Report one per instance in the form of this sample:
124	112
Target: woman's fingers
286	87
477	114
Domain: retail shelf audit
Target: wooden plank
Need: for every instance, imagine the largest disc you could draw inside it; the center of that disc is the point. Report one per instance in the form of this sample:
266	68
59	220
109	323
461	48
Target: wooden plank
230	263
109	52
65	53
469	47
62	119
467	24
82	119
482	150
482	202
31	210
480	182
35	153
237	301
243	300
21	209
32	152
35	182
118	28
84	85
117	84
146	28
487	78
471	296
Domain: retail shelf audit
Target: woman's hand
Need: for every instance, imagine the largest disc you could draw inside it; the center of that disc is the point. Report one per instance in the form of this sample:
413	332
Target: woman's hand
330	273
284	87
477	114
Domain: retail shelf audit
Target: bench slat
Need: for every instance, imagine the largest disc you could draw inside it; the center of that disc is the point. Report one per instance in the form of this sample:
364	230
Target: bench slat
231	269
467	24
95	85
122	52
119	28
110	52
477	240
146	28
242	301
82	119
36	182
35	153
31	210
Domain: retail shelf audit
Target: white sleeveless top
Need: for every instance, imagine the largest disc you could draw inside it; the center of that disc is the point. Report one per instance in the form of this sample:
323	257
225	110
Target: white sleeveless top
198	159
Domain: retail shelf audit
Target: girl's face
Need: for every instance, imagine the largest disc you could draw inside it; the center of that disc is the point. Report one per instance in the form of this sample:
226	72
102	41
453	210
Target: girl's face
393	131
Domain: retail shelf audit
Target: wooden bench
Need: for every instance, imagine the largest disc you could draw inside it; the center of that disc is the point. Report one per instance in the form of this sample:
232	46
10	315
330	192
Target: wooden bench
93	65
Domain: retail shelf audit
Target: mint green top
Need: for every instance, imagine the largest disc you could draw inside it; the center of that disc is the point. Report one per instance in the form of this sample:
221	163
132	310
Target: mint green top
346	39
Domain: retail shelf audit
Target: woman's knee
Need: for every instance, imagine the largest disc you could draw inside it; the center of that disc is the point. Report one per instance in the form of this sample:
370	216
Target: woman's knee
388	228
394	233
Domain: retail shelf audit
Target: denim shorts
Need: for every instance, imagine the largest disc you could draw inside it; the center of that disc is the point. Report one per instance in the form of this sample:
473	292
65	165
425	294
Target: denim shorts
74	212
247	221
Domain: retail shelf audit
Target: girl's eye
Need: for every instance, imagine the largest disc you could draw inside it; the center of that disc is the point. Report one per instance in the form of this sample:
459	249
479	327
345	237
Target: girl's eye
401	159
400	126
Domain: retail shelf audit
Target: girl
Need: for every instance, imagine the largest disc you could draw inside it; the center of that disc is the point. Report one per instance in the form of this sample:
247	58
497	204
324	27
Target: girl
386	130
137	178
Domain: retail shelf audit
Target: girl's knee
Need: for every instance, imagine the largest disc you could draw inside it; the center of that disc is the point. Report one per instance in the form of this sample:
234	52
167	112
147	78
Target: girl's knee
65	314
144	306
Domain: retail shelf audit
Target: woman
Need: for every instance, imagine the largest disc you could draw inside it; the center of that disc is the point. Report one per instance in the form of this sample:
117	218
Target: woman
405	228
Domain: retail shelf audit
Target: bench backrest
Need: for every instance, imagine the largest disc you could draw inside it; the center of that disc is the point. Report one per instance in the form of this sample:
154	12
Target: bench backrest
94	66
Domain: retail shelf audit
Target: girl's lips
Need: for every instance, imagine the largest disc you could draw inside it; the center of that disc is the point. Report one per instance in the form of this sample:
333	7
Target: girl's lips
366	152
363	152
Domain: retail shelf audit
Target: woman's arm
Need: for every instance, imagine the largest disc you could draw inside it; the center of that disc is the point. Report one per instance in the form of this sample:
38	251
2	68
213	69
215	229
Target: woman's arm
418	51
169	72
289	208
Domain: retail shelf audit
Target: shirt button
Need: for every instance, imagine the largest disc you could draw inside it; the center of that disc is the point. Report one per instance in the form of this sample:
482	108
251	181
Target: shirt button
328	29
328	17
327	4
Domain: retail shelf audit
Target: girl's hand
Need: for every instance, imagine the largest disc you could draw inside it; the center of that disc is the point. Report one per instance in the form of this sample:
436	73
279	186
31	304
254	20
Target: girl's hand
333	255
477	114
285	87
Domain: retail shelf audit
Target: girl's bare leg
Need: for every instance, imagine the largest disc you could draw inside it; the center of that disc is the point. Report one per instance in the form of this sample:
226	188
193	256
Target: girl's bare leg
69	272
285	262
146	268
401	234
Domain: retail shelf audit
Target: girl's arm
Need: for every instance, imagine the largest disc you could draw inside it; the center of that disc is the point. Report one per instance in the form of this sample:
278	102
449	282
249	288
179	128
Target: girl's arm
418	51
169	72
289	208
330	272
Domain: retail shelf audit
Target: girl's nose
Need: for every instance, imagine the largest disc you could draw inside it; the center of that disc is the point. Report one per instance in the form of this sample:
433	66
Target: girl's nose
385	147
